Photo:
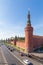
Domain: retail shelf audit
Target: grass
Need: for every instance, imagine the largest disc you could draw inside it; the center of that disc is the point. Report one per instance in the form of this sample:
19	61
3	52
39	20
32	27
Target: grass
18	48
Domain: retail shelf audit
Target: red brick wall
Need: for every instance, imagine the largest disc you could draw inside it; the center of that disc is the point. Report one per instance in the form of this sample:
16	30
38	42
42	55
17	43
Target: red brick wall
20	44
37	41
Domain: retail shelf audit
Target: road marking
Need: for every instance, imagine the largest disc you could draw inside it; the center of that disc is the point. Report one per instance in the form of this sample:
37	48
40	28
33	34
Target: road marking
5	61
16	57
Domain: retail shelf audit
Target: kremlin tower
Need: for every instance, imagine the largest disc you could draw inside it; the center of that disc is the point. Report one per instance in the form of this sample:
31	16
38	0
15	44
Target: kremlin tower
28	35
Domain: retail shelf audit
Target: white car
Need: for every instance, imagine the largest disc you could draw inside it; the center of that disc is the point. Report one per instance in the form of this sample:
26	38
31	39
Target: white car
27	62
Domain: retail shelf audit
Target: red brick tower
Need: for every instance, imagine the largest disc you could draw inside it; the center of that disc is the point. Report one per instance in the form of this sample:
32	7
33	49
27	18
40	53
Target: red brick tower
28	35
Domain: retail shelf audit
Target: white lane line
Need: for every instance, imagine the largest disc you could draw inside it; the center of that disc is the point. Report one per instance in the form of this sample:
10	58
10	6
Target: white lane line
16	57
5	61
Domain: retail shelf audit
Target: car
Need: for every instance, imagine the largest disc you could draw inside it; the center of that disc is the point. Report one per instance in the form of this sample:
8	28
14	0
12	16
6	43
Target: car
29	56
13	64
8	47
12	49
22	54
27	62
1	44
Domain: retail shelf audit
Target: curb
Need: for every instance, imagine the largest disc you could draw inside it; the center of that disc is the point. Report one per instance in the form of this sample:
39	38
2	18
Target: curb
36	58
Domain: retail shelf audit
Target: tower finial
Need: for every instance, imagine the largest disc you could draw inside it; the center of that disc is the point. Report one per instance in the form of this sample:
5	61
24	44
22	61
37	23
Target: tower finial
28	17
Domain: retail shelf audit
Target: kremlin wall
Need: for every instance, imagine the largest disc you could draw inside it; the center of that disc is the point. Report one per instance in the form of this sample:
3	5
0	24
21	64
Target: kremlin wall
31	41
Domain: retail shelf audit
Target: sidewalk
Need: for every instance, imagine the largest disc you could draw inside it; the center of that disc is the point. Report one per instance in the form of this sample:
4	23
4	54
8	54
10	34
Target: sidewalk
40	55
2	59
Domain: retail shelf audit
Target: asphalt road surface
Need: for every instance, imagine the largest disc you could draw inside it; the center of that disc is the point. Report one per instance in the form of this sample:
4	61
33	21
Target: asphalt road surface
9	57
33	61
12	60
2	62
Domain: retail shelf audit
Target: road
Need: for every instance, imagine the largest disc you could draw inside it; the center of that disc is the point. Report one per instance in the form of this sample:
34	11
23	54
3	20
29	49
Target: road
2	61
9	57
35	62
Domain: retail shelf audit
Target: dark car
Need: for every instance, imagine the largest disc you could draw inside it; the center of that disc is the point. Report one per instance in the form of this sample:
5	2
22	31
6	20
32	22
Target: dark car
12	49
22	54
29	55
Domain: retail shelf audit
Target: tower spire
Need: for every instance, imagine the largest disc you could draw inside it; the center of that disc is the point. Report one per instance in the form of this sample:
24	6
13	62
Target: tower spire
28	18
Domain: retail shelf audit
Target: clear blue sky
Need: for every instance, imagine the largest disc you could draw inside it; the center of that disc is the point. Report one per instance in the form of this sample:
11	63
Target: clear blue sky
13	17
